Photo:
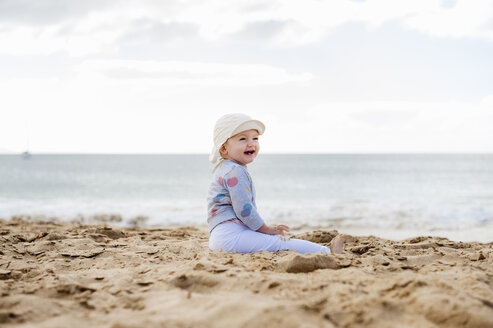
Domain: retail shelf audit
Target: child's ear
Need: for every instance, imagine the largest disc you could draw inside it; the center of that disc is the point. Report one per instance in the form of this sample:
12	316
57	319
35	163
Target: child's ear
223	150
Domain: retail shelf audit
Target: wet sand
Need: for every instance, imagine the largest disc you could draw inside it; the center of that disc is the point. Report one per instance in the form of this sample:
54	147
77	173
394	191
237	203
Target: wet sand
59	275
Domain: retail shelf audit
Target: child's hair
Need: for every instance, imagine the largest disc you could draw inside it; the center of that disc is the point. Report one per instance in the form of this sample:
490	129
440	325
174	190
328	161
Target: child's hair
230	125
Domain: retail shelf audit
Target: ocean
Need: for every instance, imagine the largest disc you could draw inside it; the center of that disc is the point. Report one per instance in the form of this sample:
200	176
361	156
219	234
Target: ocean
388	195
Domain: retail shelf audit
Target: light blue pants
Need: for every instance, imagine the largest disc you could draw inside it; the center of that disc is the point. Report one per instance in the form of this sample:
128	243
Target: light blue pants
234	237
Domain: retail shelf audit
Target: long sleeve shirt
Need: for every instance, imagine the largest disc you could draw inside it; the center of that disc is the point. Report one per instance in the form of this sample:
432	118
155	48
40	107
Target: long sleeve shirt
232	195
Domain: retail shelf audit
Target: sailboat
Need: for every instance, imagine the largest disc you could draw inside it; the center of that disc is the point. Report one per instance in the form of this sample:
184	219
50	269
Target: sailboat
26	154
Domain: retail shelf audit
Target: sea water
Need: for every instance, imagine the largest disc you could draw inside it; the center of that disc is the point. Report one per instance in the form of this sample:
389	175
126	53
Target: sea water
388	195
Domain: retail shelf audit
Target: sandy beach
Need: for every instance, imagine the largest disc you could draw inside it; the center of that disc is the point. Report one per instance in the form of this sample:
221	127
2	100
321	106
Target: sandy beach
59	275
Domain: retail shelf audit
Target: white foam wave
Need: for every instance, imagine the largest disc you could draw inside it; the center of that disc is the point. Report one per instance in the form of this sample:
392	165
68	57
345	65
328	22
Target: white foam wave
424	217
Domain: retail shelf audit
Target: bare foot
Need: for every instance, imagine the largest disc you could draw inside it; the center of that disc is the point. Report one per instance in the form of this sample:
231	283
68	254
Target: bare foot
337	244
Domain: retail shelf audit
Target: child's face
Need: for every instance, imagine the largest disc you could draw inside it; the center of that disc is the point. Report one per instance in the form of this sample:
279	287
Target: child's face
242	147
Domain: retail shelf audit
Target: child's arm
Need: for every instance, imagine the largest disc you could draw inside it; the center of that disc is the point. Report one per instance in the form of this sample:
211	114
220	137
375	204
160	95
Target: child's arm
277	230
238	184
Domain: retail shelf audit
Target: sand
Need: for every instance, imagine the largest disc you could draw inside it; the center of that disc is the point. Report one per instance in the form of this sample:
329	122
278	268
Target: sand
63	275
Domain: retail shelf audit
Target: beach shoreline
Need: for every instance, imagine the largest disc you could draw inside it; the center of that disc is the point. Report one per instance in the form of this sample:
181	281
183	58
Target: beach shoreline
60	274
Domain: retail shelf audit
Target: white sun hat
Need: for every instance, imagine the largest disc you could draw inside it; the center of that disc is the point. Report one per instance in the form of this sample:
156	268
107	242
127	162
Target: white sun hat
230	125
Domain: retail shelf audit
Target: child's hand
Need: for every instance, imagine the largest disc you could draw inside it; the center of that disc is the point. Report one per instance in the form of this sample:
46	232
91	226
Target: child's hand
276	230
280	229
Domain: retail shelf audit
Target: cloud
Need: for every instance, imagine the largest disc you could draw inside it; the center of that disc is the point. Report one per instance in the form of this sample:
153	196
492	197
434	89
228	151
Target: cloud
148	30
48	12
385	117
393	126
177	73
116	114
83	27
467	19
269	29
487	103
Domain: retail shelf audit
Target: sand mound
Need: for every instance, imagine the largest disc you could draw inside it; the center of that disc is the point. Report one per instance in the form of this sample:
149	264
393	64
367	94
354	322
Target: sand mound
309	262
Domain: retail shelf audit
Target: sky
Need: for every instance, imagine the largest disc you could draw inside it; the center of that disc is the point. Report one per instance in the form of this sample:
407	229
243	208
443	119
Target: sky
345	76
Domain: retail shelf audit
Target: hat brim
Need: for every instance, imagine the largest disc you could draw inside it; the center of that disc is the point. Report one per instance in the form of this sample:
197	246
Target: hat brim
250	125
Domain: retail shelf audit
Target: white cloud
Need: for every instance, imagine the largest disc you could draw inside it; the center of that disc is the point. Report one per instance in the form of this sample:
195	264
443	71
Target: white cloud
176	73
286	22
391	126
487	103
101	103
472	19
84	115
127	106
100	30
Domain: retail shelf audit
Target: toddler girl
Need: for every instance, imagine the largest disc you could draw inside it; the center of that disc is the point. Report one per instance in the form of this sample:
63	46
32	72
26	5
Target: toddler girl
234	223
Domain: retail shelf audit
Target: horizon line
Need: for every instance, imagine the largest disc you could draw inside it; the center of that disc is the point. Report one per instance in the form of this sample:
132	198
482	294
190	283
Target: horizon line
264	153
